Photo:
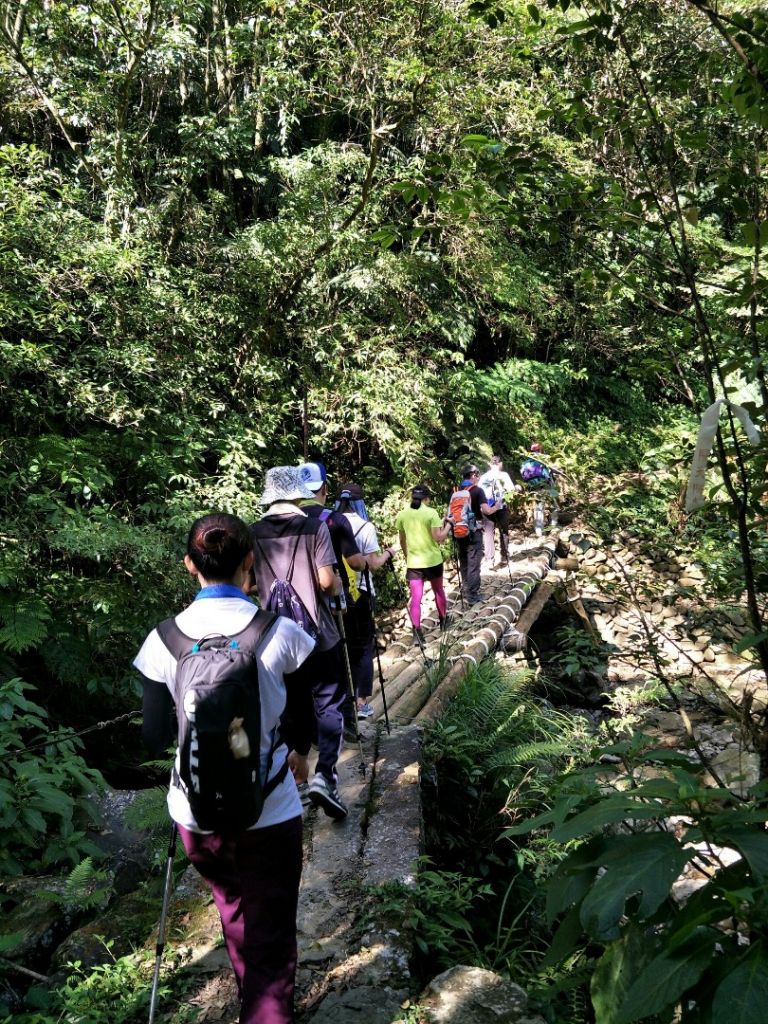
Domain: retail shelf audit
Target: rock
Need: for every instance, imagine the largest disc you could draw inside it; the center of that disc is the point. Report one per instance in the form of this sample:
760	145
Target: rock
128	852
125	925
39	924
736	617
689	581
362	1005
684	888
472	995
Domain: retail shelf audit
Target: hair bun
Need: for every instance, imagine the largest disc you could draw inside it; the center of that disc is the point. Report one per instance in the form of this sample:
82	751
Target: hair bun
214	539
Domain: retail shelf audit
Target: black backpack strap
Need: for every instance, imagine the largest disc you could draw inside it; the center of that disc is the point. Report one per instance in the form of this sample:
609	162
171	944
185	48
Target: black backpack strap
254	633
257	628
292	565
267	562
273	783
178	643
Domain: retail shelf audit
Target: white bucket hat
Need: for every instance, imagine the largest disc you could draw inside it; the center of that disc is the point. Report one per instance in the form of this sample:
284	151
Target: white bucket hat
283	483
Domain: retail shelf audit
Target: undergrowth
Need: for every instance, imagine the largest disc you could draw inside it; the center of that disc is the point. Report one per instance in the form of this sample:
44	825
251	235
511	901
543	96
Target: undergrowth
492	759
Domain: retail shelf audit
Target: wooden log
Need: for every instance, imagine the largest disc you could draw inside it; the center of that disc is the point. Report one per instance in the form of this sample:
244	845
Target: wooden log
535	606
567	563
411	701
396	687
475	653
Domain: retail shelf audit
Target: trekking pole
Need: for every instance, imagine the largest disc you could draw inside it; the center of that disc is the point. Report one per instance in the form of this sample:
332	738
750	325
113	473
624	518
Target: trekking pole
160	946
376	648
339	616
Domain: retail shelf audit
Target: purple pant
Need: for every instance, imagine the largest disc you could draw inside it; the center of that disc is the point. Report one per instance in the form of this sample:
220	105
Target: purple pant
254	877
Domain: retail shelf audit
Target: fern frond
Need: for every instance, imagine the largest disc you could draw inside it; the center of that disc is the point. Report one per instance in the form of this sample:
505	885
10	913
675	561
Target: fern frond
149	811
24	620
525	753
86	888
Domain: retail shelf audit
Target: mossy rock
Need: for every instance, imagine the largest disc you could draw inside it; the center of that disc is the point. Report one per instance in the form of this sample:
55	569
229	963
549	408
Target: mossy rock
116	932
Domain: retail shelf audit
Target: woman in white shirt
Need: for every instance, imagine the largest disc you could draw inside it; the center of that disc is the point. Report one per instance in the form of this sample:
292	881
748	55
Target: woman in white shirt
253	871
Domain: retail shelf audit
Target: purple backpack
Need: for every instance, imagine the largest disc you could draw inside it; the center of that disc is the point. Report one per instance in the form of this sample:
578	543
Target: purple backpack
283	598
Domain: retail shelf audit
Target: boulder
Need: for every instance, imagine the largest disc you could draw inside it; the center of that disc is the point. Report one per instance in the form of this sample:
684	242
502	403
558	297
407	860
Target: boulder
127	852
38	924
472	995
113	934
360	1005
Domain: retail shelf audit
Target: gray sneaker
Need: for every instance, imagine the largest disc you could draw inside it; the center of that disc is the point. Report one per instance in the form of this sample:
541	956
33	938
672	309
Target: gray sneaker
323	794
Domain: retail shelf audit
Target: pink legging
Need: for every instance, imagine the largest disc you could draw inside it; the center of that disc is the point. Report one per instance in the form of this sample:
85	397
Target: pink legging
417	592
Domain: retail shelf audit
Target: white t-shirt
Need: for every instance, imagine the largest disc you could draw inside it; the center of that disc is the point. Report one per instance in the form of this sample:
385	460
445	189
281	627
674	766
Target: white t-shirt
367	542
285	647
496	483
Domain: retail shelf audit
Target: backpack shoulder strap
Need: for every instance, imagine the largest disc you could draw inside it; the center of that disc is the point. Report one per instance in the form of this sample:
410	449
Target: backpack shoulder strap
178	643
325	515
256	630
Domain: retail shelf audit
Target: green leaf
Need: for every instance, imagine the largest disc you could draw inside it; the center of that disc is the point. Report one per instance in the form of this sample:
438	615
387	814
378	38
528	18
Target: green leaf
616	970
749	232
646	864
609	811
752	844
742	996
666	978
573	878
751	640
565	939
34	819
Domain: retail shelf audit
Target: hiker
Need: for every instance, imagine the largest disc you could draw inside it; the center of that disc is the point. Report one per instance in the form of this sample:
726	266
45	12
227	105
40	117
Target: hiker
469	542
253	869
294	567
496	483
538	474
421	531
359	619
313	475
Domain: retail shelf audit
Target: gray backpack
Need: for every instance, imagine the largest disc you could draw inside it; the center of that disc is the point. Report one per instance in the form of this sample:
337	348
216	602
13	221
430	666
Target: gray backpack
218	708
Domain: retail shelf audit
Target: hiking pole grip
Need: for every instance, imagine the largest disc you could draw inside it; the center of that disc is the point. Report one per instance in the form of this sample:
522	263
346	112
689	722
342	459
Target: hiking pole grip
160	945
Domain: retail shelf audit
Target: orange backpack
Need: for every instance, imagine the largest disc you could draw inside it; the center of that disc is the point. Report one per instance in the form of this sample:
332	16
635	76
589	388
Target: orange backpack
461	515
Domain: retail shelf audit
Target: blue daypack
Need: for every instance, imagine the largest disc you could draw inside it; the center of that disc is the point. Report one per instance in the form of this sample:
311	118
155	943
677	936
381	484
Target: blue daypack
533	472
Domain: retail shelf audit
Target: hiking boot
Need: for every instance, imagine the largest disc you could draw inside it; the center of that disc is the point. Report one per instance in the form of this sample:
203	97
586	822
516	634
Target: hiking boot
445	623
365	710
323	794
419	638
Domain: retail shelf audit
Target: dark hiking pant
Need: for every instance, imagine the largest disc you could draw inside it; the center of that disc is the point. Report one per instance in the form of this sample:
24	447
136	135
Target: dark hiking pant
254	878
470	561
358	624
319	682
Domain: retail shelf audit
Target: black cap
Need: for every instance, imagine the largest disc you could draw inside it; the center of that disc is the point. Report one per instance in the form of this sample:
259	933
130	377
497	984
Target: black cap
352	491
